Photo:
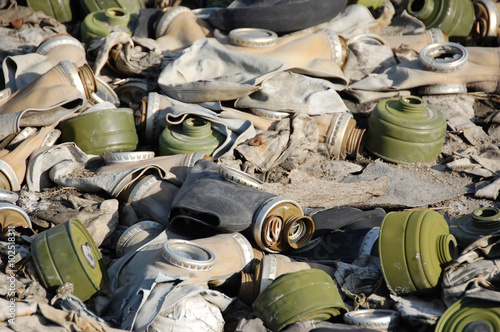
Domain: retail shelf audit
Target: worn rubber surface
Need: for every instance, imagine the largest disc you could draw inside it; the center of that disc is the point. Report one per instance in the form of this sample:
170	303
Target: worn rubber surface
280	16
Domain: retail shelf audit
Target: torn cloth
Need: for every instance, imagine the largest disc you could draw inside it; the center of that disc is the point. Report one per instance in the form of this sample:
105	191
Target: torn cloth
483	161
413	74
286	145
146	290
208	71
458	110
419	311
31	28
353	20
303	94
365	59
476	271
68	166
100	217
361	276
129	56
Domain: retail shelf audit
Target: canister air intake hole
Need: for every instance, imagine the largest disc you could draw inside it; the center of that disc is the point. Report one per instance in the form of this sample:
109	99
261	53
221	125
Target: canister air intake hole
417	5
486	213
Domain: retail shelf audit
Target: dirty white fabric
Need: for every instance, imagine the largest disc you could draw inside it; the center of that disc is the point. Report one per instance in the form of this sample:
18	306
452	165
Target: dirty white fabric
22	251
362	96
33	313
484	161
251	325
72	303
112	183
403	24
361	276
155	201
208	71
20	70
37	177
100	217
129	56
37	105
365	59
21	309
419	312
412	74
354	19
486	156
35	323
489	190
302	94
475	273
235	130
191	314
26	290
287	144
459	113
49	319
61	164
133	278
36	26
144	286
100	225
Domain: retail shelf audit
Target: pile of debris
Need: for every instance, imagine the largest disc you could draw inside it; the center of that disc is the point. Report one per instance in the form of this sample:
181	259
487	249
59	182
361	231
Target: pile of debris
274	165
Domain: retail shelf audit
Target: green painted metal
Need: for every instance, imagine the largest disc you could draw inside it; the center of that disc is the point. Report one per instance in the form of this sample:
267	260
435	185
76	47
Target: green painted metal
405	130
58	9
67	253
103	22
470	227
454	17
193	135
470	315
102	131
131	6
413	248
370	4
298	296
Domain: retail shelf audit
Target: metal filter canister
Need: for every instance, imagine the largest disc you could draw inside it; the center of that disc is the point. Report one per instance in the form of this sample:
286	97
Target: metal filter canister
405	130
67	253
298	296
469	314
102	131
413	248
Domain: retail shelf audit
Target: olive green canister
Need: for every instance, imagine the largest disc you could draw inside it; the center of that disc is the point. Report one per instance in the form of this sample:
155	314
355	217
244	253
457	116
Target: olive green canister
67	253
454	17
298	296
194	134
101	23
131	6
98	131
468	314
414	246
470	227
405	130
370	4
58	9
